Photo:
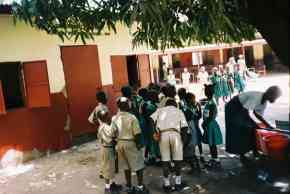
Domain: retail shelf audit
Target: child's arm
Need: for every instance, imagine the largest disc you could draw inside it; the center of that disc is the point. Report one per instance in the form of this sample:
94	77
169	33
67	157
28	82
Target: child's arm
260	118
211	116
198	112
137	133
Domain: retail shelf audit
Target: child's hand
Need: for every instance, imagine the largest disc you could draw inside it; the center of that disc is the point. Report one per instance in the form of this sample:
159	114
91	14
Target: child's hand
114	142
139	146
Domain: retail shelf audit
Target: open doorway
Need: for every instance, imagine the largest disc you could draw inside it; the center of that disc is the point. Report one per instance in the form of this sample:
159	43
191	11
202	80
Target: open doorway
133	70
12	83
249	56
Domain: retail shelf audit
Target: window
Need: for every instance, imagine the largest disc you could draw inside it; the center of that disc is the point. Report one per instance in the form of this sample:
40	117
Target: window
12	85
29	87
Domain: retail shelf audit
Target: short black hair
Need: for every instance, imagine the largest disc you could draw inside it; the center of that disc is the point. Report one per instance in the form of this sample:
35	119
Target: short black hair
153	96
103	115
181	93
171	91
171	102
101	97
273	90
164	90
189	96
151	86
126	91
143	92
123	104
209	90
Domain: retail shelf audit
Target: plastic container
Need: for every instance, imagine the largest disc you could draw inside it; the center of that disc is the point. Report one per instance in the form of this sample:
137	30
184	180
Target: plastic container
261	134
276	146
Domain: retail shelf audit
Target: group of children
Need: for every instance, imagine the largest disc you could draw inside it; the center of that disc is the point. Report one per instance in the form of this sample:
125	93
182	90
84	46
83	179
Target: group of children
226	82
155	124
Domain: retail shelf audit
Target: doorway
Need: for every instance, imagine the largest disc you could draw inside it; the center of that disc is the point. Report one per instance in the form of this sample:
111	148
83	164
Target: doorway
249	56
133	70
12	84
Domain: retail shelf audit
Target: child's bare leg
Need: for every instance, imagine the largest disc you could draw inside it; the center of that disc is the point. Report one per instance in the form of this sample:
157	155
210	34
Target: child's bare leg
200	149
213	151
128	178
107	185
140	177
166	173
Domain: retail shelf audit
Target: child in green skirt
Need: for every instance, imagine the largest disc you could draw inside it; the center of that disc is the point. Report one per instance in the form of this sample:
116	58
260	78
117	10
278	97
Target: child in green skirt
216	81
238	79
212	132
225	89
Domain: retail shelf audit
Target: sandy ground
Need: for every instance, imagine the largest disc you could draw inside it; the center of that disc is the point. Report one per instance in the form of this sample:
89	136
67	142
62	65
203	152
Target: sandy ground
75	171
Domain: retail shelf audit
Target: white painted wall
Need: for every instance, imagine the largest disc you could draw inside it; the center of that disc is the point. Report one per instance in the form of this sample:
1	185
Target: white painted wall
23	43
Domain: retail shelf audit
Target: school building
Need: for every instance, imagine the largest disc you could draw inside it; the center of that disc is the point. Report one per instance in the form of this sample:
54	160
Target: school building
48	87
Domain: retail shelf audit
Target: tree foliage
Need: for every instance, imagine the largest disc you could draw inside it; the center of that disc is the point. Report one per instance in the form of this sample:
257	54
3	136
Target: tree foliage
160	23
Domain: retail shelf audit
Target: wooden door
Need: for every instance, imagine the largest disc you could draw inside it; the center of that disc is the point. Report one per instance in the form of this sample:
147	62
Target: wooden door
83	79
36	84
119	72
144	70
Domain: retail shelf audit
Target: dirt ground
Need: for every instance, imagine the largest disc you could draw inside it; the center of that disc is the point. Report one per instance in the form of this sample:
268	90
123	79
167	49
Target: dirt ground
75	171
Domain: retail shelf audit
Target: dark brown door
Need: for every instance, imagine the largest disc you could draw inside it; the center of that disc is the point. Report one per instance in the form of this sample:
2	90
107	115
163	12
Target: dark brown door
83	79
144	70
119	72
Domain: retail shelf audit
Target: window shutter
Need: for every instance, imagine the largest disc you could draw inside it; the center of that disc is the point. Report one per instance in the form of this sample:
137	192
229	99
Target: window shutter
119	71
36	84
2	102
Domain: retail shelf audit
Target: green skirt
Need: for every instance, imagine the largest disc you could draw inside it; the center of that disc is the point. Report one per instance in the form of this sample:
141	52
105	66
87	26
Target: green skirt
212	134
225	88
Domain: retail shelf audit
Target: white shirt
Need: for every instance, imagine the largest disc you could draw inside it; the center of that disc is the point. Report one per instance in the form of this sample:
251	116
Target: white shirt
106	134
185	76
203	77
171	77
242	64
126	124
231	67
95	112
169	117
253	101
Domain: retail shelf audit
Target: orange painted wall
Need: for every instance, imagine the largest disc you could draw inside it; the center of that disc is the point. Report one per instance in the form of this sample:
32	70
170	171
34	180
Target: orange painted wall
185	59
42	128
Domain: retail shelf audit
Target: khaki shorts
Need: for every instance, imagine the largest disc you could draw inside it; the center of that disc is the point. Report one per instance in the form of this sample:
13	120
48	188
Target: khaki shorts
171	146
129	157
107	162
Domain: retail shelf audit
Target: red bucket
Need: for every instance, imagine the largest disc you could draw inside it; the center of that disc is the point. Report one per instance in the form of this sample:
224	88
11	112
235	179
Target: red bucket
276	146
261	134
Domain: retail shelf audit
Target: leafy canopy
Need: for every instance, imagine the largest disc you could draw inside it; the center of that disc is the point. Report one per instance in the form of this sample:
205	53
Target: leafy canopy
159	24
